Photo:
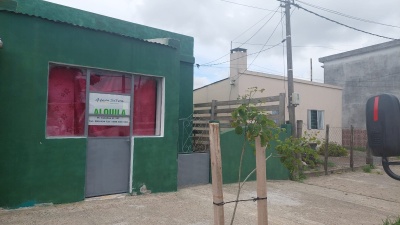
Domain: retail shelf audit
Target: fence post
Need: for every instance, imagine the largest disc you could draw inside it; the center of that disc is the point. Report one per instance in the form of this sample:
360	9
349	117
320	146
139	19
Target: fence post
352	148
326	150
299	135
369	160
216	169
213	110
261	175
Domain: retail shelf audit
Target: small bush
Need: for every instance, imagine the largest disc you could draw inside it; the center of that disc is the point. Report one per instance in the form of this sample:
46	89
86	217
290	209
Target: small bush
390	222
291	147
368	168
334	149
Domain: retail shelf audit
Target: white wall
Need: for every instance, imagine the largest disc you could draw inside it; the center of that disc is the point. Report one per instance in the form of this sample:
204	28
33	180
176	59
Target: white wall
315	96
217	91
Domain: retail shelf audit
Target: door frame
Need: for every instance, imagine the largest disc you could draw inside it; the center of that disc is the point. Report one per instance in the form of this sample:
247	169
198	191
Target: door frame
130	137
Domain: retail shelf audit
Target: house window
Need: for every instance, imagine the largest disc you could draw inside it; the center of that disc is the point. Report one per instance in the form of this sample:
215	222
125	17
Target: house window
315	119
141	98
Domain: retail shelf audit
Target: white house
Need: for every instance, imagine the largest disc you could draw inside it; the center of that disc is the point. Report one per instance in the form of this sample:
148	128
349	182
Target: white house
320	104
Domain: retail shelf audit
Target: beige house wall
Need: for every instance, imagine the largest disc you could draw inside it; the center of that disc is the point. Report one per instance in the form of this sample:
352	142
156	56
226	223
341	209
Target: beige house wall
219	91
313	96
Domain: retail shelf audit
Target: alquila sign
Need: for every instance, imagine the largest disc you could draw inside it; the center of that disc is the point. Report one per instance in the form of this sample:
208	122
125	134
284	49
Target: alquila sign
109	109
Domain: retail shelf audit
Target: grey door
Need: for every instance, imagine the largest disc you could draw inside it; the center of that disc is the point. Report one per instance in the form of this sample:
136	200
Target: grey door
109	128
107	168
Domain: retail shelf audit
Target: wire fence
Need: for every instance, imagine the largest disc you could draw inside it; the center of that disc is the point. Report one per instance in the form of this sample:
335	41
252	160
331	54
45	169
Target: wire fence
347	149
195	135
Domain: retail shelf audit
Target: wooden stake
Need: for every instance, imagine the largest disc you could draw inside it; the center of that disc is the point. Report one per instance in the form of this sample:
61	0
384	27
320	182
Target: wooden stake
216	171
326	150
261	183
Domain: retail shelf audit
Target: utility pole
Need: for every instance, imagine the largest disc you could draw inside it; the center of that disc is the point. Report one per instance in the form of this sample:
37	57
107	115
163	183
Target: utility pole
291	107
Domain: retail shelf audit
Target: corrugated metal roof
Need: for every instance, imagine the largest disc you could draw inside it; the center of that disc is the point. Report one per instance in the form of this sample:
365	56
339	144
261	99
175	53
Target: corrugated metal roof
88	20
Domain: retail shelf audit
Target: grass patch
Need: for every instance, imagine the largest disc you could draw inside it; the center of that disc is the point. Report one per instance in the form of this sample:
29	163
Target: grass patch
360	149
392	222
331	164
368	168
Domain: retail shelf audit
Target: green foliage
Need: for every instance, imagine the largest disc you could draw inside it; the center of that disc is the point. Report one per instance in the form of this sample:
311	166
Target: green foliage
390	222
291	148
331	164
334	149
360	149
251	122
367	168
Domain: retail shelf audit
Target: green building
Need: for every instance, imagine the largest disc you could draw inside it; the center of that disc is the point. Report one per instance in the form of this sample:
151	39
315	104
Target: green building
90	104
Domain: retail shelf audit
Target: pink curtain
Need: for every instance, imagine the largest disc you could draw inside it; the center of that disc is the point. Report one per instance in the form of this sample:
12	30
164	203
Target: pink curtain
66	102
145	106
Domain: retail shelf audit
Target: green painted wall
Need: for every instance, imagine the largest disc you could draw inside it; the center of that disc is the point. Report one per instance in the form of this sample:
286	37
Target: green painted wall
34	169
186	86
231	148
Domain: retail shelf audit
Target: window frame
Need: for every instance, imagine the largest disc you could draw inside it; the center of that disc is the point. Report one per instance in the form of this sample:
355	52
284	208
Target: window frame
160	100
320	121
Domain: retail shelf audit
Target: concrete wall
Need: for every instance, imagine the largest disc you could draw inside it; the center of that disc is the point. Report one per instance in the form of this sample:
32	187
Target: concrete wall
363	73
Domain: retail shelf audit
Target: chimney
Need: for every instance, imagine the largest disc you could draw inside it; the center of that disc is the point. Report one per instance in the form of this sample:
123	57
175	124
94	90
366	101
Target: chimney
238	62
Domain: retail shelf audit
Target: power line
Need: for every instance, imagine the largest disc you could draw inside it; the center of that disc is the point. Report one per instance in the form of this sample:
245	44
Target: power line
204	64
207	65
295	46
263	46
250	6
250	28
259	29
334	21
345	15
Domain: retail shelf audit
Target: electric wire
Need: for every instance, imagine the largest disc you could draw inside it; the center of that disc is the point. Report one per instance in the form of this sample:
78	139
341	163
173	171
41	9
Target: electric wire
250	28
342	24
209	65
345	15
204	64
296	46
248	67
250	6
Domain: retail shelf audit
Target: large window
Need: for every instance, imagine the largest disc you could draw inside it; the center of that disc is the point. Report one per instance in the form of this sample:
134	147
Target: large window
118	104
315	119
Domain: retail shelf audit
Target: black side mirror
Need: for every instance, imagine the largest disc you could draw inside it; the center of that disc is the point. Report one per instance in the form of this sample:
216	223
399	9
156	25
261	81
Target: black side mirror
383	129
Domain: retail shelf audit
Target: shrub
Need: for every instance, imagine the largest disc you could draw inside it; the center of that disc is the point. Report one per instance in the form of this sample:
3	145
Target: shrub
334	149
291	147
368	168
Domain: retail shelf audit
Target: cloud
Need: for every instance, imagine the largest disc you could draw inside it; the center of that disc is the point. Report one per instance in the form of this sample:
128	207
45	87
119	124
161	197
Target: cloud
200	82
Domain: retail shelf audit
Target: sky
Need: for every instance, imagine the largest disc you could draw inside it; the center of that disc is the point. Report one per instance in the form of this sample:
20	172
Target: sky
218	25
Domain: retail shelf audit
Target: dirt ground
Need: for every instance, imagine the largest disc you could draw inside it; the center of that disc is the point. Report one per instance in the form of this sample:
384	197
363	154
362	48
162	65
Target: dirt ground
348	198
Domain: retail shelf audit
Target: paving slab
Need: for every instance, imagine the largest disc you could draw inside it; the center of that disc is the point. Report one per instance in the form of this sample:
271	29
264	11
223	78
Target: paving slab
348	198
